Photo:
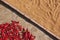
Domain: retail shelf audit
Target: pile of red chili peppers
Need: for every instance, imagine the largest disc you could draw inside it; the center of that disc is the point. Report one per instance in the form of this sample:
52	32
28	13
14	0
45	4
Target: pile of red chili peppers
14	31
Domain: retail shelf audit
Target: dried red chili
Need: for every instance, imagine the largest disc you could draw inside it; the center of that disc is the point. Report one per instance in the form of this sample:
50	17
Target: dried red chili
14	31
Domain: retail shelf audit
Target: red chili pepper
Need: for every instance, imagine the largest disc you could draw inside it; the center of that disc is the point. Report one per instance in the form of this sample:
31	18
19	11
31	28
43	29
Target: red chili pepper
6	25
0	38
14	31
32	37
15	23
28	33
25	36
20	28
5	37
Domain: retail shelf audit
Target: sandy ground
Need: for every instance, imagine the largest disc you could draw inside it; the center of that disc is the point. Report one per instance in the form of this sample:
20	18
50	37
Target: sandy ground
6	16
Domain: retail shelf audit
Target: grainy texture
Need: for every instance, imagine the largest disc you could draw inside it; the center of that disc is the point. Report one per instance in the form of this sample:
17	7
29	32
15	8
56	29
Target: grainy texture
44	12
6	16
